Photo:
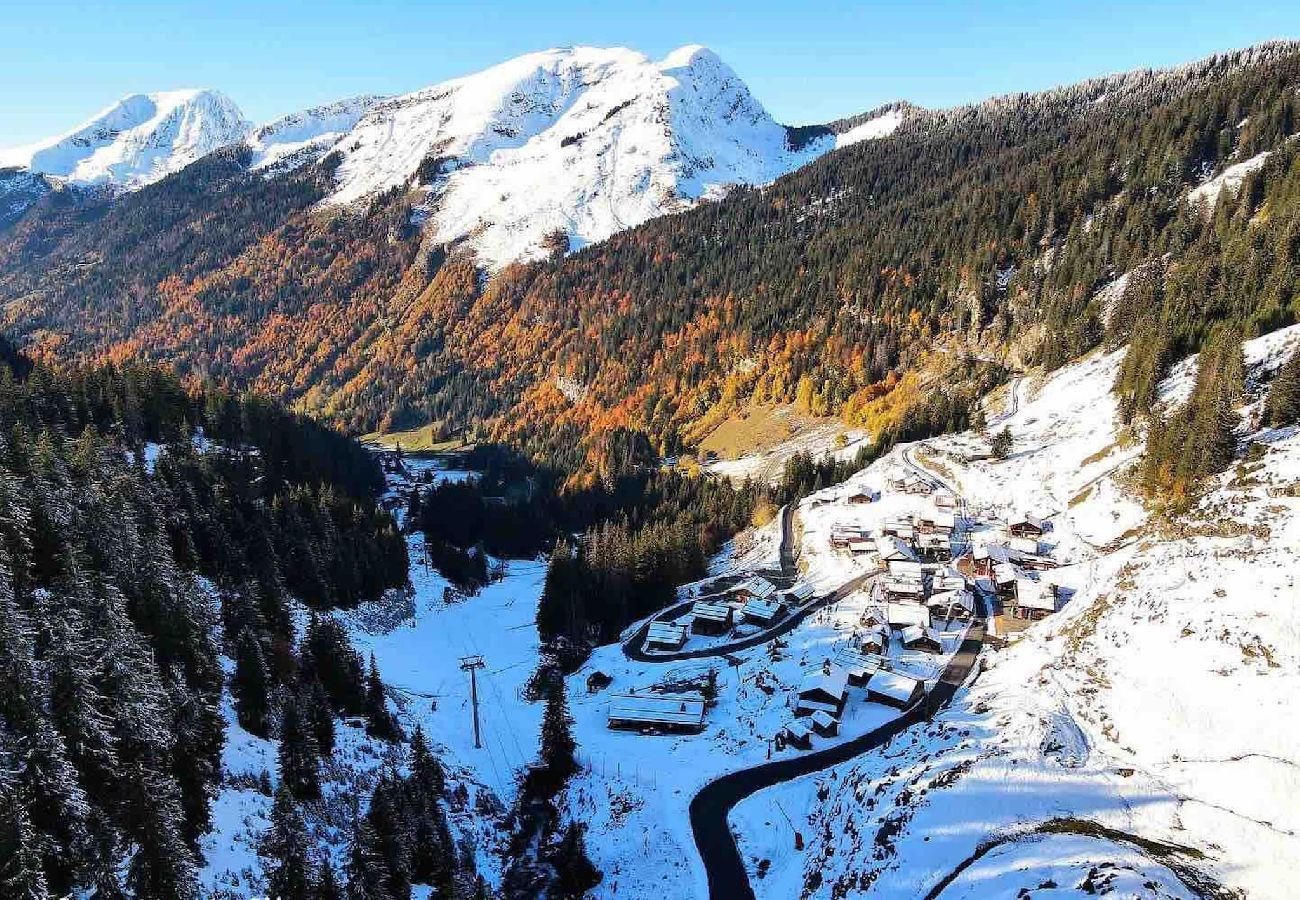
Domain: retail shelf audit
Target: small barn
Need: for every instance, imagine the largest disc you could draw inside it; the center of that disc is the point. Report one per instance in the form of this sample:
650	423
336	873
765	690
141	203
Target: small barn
665	636
800	594
1004	579
657	712
824	724
754	588
919	637
864	496
823	689
895	690
711	618
945	500
762	612
797	734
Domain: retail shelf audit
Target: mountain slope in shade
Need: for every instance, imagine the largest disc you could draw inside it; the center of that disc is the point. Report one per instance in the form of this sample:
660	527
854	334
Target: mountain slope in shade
136	141
580	142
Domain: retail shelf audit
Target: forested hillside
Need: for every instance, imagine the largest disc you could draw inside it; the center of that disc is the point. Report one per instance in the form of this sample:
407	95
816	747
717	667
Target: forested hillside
147	532
988	228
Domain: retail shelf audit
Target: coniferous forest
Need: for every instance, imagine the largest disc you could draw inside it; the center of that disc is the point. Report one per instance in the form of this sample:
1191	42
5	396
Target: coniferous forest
147	531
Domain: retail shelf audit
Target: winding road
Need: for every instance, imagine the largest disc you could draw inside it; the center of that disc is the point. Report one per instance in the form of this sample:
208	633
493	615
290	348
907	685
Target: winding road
710	807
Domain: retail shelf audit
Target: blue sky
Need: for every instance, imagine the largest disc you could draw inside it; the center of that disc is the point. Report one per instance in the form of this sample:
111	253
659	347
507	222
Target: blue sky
61	61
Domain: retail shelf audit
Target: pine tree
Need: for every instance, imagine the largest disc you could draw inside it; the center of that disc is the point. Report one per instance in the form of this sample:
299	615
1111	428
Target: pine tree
250	686
326	886
22	876
367	870
1284	394
299	765
285	850
381	723
425	767
1002	443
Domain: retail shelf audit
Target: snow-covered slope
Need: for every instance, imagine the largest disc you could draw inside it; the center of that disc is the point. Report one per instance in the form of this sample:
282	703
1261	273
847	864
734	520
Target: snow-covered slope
1141	742
137	140
581	141
305	136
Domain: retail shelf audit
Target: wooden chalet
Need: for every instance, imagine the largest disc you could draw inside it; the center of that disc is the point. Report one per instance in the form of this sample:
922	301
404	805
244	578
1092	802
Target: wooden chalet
920	637
657	712
665	636
897	526
945	500
825	690
1034	600
842	533
797	734
874	640
824	724
903	614
711	618
864	496
755	587
859	666
1027	526
800	594
891	549
894	690
956	606
762	612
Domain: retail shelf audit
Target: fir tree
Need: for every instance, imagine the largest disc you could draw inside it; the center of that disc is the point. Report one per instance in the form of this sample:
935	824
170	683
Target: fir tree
250	686
381	723
285	850
1284	394
299	766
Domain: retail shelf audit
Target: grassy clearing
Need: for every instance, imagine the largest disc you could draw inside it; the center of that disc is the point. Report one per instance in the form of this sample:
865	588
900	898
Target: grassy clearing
425	439
754	429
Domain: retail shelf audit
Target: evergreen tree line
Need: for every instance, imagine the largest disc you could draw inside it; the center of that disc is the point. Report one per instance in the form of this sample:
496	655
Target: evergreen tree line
110	684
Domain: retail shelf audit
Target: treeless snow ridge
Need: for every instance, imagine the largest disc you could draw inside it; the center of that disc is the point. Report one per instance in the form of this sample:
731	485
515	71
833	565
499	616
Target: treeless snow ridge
1161	705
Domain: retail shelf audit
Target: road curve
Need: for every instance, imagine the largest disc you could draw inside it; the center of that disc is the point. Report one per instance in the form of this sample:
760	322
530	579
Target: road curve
633	647
709	809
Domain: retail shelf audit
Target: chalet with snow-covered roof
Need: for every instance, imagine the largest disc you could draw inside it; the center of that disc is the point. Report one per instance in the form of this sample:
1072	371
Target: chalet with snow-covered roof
1027	526
956	606
910	483
859	666
893	689
800	594
891	549
920	637
903	614
947	578
754	588
945	500
933	546
797	734
1024	544
824	724
665	636
897	526
762	612
711	618
874	640
867	495
843	532
824	689
1033	600
902	588
1004	579
906	568
936	521
657	712
860	546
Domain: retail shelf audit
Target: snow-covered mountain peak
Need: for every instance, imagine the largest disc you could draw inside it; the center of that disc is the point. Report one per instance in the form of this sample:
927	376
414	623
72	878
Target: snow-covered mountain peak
137	140
578	141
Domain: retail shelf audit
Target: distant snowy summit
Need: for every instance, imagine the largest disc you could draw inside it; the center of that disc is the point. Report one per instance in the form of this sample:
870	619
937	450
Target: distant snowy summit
560	148
136	141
